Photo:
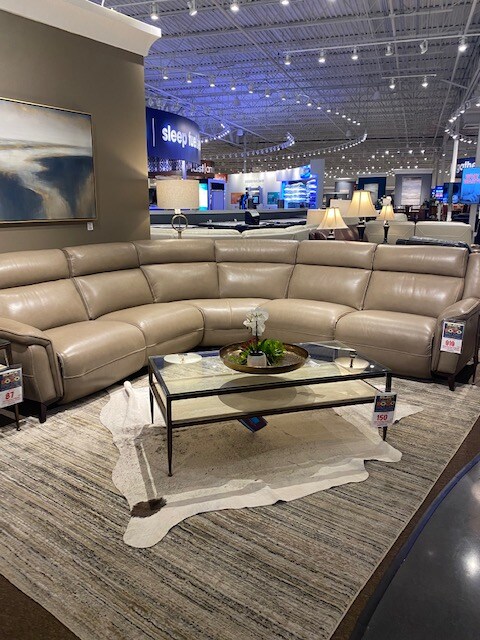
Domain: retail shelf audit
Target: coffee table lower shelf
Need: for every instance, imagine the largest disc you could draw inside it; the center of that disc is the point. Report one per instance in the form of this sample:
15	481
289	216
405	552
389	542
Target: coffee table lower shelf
206	409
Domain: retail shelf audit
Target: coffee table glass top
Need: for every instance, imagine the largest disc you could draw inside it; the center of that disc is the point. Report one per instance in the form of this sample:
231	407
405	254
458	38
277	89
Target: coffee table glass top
328	362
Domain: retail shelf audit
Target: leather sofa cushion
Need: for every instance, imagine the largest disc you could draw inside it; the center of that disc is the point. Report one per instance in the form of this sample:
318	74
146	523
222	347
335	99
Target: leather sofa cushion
401	341
98	258
303	320
95	354
243	280
113	290
170	282
339	285
160	323
43	305
440	261
254	251
337	253
472	278
416	293
29	267
175	251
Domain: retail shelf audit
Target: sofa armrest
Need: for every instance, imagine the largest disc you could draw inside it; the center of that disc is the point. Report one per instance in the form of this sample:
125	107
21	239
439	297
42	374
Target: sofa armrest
467	311
21	333
34	351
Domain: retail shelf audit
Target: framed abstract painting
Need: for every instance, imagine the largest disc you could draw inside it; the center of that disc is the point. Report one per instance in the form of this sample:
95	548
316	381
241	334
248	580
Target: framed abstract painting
46	164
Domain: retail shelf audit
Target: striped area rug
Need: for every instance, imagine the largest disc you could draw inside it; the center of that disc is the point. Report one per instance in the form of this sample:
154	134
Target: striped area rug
285	571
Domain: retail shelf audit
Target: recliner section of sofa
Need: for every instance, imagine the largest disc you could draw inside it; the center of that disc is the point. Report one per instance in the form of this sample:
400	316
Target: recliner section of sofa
82	318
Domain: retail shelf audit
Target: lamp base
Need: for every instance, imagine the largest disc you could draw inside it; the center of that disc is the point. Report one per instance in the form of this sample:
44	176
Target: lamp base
361	229
352	363
182	358
386	227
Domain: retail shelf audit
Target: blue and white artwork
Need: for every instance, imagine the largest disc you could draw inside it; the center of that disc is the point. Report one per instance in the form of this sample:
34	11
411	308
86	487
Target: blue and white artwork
46	164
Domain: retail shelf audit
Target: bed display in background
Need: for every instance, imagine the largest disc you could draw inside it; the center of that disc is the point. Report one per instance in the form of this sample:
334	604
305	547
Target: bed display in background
46	164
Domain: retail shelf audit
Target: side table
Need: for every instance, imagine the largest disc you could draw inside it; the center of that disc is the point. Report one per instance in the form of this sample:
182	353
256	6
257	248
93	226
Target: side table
6	347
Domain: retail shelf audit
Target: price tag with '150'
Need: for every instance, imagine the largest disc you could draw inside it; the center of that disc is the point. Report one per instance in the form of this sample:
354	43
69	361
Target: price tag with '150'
384	409
452	336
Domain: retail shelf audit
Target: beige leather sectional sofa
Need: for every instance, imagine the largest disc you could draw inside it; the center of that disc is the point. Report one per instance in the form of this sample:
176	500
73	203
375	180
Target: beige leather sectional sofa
82	318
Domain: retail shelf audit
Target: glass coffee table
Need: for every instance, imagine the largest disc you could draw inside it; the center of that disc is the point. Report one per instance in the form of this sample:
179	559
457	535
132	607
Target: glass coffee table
207	391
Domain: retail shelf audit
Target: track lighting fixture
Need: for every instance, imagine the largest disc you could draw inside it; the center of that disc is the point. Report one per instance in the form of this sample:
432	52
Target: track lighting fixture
233	87
309	103
192	7
321	57
283	97
462	45
389	50
392	84
250	88
211	82
354	54
234	6
423	46
154	12
288	60
267	93
189	78
425	82
164	74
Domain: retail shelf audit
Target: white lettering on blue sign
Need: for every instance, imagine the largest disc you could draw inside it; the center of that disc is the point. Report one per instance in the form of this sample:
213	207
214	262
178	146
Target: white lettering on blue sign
180	137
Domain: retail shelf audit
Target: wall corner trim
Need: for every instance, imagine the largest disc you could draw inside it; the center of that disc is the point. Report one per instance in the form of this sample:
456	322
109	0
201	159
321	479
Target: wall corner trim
89	20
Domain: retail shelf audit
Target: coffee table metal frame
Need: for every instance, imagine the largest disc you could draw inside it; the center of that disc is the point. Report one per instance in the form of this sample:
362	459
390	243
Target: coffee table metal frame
155	377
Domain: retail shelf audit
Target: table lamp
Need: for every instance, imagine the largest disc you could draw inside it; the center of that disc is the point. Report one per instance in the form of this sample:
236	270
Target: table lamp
332	220
361	207
386	214
177	195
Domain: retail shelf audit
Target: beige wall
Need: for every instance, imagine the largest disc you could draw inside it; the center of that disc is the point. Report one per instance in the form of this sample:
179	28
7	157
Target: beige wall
48	66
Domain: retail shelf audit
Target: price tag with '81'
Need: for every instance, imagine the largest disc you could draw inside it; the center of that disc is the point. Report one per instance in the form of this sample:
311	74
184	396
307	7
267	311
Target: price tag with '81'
384	409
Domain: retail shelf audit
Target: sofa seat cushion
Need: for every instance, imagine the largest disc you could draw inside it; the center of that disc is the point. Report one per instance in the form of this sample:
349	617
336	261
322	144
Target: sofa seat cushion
223	319
163	324
298	320
94	355
400	341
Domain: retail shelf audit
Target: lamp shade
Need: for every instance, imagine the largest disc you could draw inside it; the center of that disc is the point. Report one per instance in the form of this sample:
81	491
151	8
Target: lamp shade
332	219
361	205
386	213
177	194
315	216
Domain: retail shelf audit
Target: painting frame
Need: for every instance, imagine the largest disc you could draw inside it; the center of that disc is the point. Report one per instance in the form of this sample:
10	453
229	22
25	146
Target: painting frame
91	217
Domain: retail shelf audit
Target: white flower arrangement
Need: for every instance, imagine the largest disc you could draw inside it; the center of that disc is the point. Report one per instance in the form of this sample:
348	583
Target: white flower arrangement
255	321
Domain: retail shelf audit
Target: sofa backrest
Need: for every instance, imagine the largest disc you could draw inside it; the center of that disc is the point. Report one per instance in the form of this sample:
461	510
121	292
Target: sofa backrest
35	289
252	268
179	269
421	280
398	229
332	271
108	277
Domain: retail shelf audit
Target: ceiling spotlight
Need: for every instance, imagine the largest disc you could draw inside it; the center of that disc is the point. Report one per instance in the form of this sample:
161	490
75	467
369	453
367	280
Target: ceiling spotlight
288	60
389	50
154	12
309	103
284	97
298	100
267	93
423	46
164	74
425	82
233	87
354	54
462	45
189	78
392	84
285	3
211	82
250	88
410	151
234	6
192	7
321	57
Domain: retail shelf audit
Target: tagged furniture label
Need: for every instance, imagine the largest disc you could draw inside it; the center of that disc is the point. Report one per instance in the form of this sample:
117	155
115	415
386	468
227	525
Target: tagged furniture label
452	336
11	390
384	409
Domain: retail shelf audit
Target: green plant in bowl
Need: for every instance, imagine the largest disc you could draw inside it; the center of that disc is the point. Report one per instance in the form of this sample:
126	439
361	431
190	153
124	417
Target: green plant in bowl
274	351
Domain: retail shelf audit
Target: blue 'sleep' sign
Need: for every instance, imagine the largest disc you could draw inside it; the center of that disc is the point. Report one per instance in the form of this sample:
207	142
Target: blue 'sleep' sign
470	187
172	137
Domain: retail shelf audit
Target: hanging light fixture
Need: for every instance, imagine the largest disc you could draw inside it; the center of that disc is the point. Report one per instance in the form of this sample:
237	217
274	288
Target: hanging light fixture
285	3
389	50
267	93
234	6
233	87
250	88
392	84
425	82
424	46
288	60
164	74
154	12
321	57
189	78
192	7
283	97
462	45
354	54
212	82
